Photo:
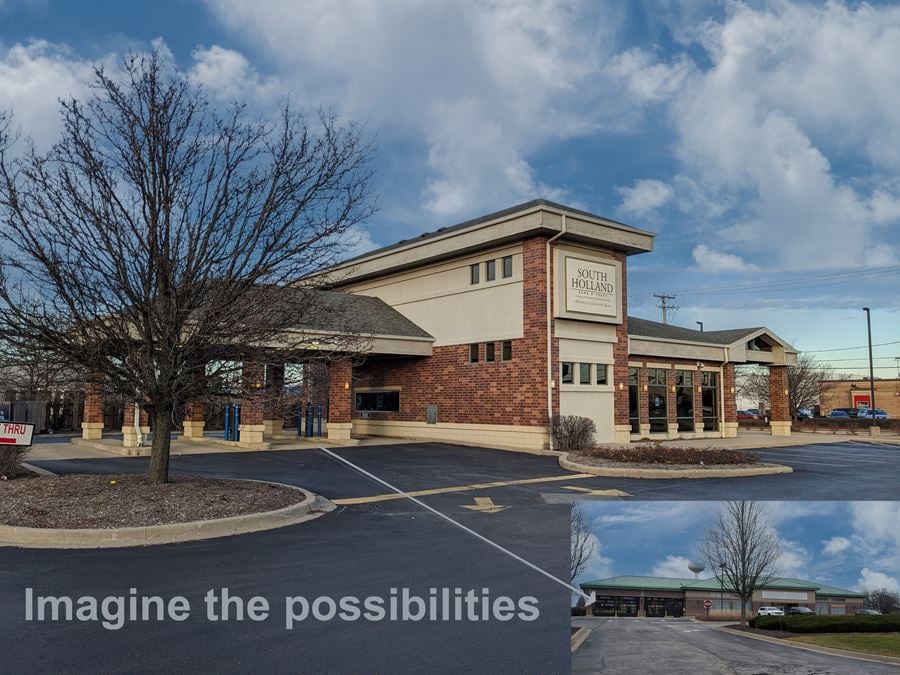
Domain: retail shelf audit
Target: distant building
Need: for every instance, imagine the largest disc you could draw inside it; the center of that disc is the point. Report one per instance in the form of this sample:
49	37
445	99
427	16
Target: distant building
856	394
668	596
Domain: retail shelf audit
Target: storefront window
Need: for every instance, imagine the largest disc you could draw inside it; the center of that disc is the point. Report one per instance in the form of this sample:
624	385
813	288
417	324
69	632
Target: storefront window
710	397
568	373
656	394
633	417
601	374
684	399
584	373
377	401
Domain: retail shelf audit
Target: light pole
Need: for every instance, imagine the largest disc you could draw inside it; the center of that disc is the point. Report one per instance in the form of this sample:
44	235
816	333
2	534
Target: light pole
871	367
722	590
700	323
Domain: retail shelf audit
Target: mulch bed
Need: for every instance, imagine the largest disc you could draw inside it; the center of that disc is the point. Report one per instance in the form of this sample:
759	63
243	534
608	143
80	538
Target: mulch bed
81	501
660	457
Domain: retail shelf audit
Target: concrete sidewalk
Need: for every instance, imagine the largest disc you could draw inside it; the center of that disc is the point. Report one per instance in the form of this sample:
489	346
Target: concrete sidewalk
753	439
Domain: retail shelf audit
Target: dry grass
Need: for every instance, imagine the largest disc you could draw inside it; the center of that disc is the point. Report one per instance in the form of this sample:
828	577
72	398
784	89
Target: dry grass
669	456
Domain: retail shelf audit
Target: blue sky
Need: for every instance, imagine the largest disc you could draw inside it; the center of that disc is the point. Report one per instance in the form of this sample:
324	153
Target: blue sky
853	545
760	140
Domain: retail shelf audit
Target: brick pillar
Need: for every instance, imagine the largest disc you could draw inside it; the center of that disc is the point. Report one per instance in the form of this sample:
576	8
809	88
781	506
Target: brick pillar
194	419
273	419
779	403
620	364
253	377
643	403
671	408
698	401
92	416
129	433
340	378
536	278
729	413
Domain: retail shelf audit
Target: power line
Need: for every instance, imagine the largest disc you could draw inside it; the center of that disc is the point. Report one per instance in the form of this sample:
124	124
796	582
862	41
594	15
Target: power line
844	349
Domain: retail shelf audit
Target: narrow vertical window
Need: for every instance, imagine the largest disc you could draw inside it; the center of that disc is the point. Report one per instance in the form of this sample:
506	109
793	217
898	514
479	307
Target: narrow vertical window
490	270
506	350
601	374
568	373
489	351
584	373
507	266
473	353
475	272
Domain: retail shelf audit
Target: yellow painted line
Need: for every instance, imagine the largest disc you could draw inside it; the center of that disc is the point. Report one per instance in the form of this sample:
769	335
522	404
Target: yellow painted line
485	505
459	488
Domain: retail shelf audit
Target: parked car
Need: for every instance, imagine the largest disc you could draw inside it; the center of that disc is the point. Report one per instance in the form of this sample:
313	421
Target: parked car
868	612
838	414
754	411
770	611
800	611
803	414
851	412
746	415
866	413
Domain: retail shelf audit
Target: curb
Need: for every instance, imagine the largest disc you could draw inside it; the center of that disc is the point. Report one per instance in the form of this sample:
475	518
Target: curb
631	472
579	637
36	469
859	656
310	508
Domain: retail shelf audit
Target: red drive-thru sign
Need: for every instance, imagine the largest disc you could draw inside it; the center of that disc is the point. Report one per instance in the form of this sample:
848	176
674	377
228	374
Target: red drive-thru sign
16	433
707	604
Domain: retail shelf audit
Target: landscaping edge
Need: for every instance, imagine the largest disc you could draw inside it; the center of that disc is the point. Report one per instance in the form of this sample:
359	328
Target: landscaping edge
312	506
761	469
579	637
862	656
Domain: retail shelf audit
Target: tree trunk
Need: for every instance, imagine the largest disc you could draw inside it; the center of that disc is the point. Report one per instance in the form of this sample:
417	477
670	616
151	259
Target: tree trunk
162	441
743	612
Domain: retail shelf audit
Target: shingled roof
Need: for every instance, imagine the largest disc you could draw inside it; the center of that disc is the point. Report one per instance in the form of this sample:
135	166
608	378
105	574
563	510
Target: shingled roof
654	329
362	314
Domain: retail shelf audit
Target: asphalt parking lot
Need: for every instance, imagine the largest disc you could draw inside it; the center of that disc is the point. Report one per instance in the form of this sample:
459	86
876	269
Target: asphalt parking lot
666	646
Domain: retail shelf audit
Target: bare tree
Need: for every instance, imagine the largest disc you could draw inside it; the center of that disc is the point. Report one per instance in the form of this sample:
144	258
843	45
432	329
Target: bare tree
804	383
742	549
584	543
885	601
160	240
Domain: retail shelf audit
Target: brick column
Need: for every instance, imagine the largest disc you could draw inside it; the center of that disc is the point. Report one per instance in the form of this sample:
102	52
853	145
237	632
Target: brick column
779	403
536	279
643	403
729	413
92	416
194	419
253	377
671	404
620	364
129	433
273	418
698	401
340	378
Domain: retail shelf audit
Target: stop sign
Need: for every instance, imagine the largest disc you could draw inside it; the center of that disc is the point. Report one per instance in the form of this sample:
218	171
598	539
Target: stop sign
707	604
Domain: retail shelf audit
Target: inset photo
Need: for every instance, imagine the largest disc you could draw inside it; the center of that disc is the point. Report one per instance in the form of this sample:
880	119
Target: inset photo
736	587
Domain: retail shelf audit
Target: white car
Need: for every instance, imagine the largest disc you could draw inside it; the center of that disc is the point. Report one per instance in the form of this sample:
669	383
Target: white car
866	413
770	611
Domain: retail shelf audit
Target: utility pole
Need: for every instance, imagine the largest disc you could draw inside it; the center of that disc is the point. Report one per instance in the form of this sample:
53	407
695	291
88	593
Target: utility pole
664	305
897	359
700	323
871	367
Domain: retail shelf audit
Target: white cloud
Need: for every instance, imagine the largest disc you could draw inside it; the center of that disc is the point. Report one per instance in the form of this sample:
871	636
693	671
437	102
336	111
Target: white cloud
794	559
835	545
227	75
709	260
644	197
600	566
647	80
481	85
673	566
873	580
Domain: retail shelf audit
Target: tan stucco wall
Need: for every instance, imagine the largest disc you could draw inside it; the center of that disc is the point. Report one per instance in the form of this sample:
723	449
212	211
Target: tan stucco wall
502	435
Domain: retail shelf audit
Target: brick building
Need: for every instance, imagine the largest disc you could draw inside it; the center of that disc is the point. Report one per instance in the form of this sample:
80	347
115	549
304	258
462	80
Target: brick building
857	394
668	596
480	331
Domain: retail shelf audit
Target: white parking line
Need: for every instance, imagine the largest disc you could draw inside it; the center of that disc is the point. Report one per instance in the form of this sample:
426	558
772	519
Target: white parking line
795	461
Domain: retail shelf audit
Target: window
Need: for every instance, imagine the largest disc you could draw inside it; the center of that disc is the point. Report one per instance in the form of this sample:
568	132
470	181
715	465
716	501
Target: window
710	397
490	268
506	350
377	401
684	399
507	266
475	272
473	353
489	354
568	373
584	373
633	416
602	377
656	396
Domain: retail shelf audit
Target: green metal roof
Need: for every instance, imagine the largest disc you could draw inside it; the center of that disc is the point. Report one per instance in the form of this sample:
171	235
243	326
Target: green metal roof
648	583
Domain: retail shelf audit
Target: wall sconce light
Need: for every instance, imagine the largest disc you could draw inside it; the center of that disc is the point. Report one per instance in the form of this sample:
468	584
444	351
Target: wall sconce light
346	385
699	390
732	390
644	388
785	392
673	389
553	384
621	386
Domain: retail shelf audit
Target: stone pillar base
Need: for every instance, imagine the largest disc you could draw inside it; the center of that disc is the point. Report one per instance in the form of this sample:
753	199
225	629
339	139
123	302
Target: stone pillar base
780	428
730	429
130	438
252	433
273	428
874	431
92	431
672	430
339	431
622	433
193	429
645	430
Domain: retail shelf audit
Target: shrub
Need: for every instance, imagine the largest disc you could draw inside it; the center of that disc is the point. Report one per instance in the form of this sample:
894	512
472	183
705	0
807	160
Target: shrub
658	454
10	458
570	432
889	623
